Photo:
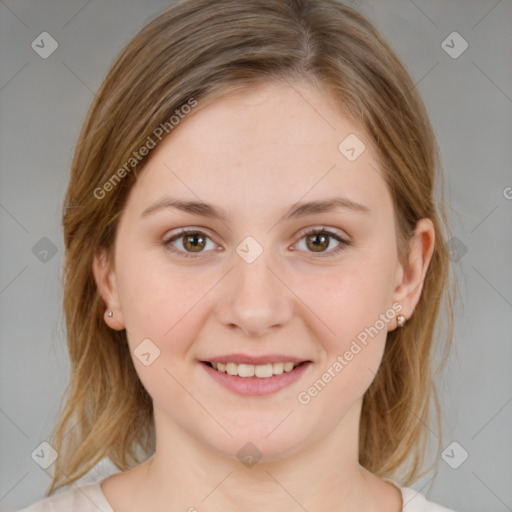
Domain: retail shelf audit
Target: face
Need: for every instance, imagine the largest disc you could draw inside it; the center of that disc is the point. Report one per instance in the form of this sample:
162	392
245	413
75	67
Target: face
266	280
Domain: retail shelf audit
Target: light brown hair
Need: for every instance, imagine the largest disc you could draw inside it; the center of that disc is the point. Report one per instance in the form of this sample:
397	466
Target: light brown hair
203	49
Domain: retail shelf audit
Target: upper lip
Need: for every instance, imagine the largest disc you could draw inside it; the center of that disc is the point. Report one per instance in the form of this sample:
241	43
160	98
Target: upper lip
255	360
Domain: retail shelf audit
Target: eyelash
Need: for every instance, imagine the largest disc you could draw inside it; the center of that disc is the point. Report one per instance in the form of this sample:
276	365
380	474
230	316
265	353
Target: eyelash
316	231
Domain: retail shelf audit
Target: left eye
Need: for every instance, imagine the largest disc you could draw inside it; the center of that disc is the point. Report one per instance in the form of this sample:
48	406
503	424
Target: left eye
194	242
318	240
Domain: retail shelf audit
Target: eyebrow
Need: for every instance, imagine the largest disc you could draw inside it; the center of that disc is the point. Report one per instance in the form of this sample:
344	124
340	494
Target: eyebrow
295	211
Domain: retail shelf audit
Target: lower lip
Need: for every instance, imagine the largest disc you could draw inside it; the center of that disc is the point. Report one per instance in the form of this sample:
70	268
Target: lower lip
256	386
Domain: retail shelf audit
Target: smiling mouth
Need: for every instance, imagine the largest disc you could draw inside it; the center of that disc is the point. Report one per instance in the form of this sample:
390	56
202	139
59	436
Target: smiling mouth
261	371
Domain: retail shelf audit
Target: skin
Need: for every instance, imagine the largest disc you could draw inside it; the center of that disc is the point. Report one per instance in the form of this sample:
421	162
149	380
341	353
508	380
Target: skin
256	153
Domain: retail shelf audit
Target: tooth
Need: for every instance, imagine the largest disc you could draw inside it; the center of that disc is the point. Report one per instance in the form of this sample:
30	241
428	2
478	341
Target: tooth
263	370
277	368
288	367
246	370
232	368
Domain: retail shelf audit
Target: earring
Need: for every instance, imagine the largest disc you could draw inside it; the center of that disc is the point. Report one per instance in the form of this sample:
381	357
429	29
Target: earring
400	320
109	313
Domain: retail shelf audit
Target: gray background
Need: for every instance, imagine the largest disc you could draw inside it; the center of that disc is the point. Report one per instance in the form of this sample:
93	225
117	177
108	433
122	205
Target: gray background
42	105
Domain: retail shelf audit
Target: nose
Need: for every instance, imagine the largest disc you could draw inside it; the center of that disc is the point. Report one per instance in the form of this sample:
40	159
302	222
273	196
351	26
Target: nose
255	297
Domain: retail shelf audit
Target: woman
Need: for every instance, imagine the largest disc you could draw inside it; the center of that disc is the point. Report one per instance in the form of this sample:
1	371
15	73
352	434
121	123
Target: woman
255	262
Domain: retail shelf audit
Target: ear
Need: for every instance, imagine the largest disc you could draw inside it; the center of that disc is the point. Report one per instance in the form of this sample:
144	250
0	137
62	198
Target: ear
105	278
411	275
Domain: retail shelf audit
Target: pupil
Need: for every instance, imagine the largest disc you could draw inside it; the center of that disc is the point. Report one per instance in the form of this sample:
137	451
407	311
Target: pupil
193	240
317	243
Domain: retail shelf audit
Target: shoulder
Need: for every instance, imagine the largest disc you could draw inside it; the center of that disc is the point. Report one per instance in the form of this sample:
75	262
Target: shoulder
414	501
417	502
83	498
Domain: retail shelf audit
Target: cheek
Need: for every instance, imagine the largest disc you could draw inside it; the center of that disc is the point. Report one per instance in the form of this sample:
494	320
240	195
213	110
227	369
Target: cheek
353	345
167	309
165	305
352	315
349	299
155	296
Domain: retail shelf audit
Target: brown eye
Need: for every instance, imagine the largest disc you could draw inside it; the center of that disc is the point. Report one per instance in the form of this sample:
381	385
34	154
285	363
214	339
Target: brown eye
194	242
188	243
317	242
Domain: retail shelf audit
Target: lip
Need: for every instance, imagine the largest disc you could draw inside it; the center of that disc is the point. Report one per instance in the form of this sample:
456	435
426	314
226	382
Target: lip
256	386
247	359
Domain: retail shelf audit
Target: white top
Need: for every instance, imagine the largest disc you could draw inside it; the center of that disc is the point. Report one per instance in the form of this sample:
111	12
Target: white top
90	498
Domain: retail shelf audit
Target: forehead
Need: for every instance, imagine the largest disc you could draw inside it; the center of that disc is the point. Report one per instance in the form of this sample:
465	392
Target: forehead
276	142
280	116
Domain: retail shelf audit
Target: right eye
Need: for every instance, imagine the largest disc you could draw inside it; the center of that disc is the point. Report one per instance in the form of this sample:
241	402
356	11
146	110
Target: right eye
193	241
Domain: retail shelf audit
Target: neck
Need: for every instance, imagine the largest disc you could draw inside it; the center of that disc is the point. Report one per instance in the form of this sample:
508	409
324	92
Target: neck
187	474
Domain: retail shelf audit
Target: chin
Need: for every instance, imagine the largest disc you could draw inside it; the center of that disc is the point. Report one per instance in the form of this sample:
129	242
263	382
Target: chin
255	445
